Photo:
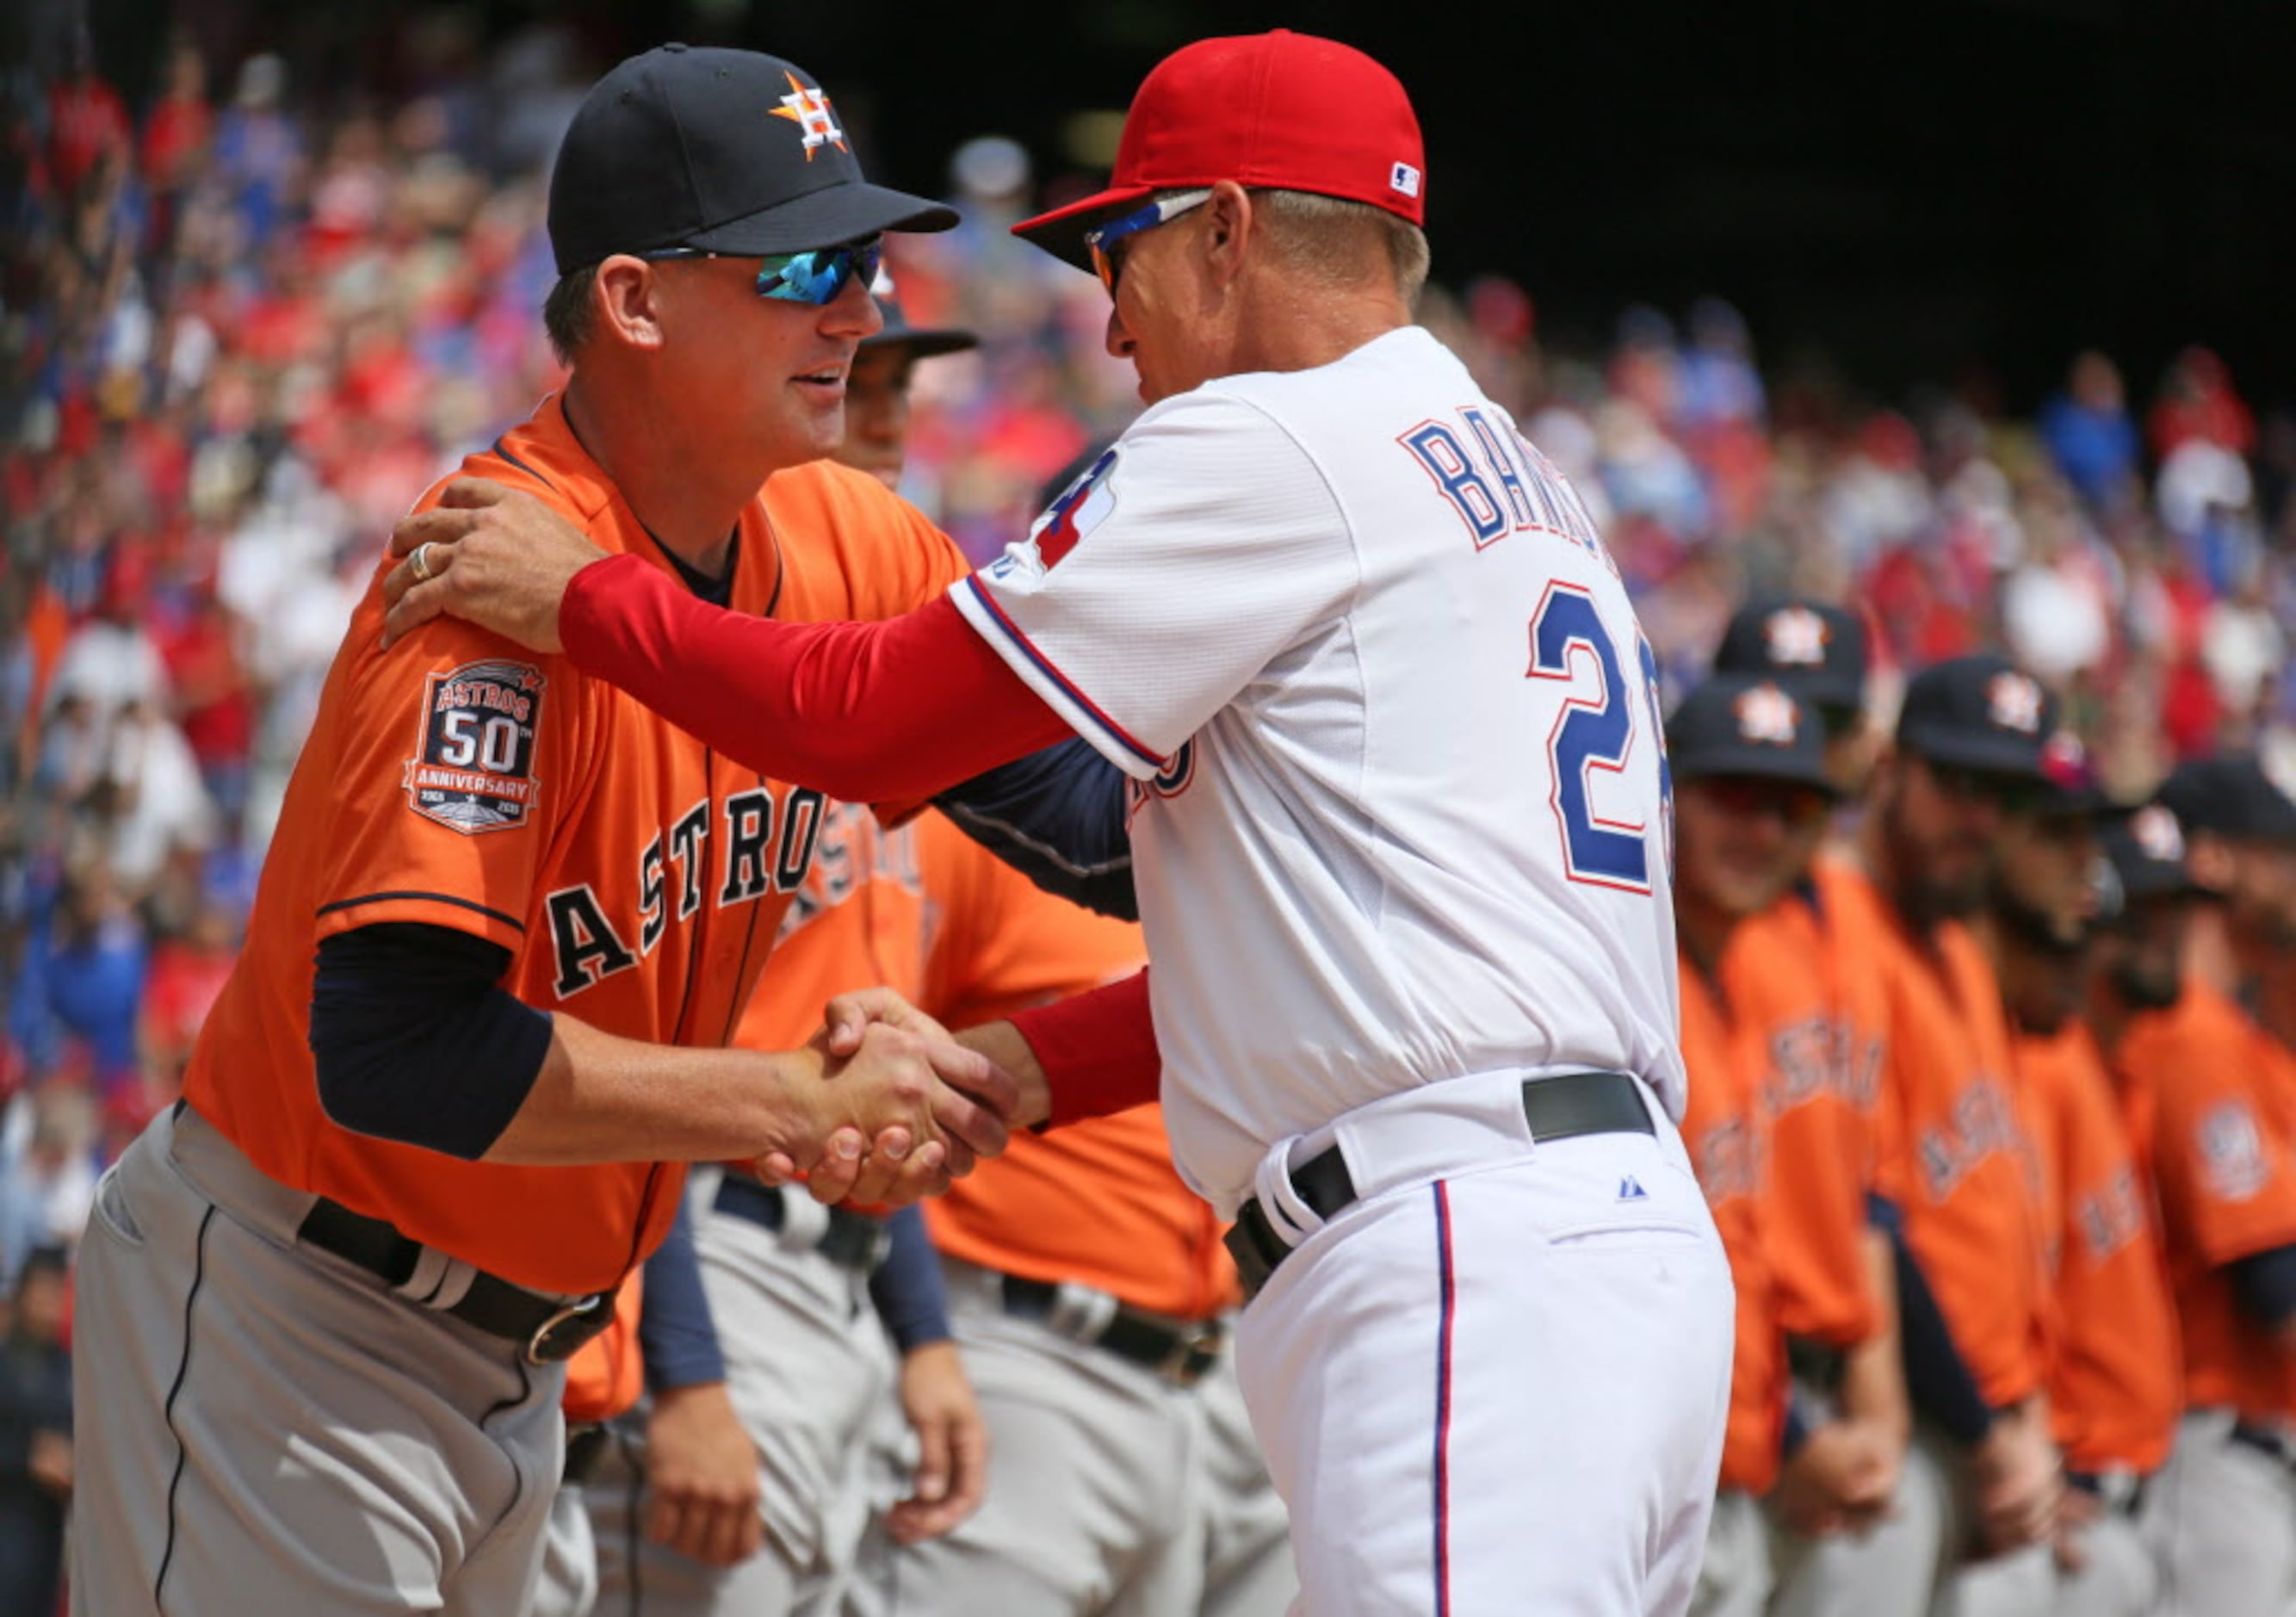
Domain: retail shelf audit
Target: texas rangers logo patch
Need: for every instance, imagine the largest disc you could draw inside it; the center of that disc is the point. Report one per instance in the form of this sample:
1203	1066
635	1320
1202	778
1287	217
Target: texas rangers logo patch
474	768
1084	507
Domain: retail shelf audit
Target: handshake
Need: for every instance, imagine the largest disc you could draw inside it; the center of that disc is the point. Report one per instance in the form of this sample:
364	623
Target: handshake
900	1107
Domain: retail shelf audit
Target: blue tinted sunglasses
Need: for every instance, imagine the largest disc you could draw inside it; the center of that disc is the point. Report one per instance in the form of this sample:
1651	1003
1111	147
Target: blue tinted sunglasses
1101	241
816	276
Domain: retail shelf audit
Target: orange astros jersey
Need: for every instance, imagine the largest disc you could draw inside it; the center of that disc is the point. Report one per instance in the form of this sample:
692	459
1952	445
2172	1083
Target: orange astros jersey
637	878
2221	1093
1956	1161
1817	1004
2114	1386
1723	1127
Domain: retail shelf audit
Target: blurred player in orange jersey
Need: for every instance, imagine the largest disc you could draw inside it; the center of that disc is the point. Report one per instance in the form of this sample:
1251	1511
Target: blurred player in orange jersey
1841	1533
1751	791
2221	1091
1968	752
2114	1383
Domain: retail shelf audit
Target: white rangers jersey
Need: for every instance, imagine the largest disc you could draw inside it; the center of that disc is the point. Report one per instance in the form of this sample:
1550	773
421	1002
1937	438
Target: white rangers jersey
1400	807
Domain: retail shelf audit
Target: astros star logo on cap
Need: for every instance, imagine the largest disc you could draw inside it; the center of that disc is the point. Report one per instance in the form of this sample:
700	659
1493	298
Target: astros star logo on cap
1796	636
808	107
2013	701
2157	832
1766	714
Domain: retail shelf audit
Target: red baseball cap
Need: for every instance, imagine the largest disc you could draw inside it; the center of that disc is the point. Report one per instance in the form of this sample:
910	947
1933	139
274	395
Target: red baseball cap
1284	110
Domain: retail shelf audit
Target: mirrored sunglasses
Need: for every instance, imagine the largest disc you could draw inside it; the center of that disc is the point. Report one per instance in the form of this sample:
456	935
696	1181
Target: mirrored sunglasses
818	276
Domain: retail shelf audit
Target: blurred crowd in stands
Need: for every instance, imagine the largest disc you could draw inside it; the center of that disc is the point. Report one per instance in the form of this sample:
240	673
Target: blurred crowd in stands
244	328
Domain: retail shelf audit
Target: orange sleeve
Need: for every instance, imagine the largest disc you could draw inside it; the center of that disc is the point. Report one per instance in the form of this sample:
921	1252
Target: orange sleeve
2222	1155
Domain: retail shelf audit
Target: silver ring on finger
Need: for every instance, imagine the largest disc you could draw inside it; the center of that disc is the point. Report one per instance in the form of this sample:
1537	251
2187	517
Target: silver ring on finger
420	563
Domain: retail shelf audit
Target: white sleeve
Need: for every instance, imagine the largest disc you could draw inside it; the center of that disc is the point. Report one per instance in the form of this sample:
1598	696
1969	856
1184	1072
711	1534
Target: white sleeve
1203	544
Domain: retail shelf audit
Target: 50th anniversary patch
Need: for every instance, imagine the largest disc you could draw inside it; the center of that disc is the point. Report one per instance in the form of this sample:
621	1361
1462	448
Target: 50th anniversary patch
475	770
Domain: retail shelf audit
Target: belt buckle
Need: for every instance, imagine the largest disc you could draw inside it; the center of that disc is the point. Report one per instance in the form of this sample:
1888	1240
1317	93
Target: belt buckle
1196	1348
561	1335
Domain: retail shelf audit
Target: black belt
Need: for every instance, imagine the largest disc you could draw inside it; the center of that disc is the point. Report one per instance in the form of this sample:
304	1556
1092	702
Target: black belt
2265	1439
1180	1354
1558	1108
2118	1491
549	1330
585	1446
853	1240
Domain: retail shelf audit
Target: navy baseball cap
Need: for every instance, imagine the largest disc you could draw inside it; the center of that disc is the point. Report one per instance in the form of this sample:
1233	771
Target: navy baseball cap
1981	713
2146	851
728	151
1742	728
899	333
1815	650
2231	796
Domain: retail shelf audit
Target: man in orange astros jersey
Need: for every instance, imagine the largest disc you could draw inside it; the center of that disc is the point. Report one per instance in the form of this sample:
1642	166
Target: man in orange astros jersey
1844	1531
737	1486
2221	1091
1968	752
1752	793
2114	1390
324	1305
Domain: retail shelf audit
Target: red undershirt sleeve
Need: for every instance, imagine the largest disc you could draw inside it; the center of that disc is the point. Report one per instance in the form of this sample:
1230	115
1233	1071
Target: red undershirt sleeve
865	712
1098	1050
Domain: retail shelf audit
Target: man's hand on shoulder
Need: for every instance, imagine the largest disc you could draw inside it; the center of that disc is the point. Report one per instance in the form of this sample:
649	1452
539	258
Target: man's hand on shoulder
495	556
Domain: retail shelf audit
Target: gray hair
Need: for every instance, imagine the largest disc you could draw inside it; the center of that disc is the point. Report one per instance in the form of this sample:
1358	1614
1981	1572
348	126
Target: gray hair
1327	238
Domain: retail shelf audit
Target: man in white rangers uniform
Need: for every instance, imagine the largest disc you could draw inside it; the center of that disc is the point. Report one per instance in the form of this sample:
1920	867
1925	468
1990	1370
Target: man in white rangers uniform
1399	836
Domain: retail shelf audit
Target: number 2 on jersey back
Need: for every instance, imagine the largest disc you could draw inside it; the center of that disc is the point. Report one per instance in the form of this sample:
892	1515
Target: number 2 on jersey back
1596	732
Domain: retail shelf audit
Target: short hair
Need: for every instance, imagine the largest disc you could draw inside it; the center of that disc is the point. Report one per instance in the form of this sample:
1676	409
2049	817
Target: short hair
1326	237
566	315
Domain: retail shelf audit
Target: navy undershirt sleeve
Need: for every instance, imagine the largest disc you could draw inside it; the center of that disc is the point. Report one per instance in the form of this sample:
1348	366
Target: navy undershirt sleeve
676	1332
907	1288
1058	817
415	1040
1937	1379
1799	1421
2265	1282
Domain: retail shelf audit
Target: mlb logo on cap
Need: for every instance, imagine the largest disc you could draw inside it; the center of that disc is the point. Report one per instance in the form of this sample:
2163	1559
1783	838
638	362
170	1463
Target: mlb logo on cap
1403	179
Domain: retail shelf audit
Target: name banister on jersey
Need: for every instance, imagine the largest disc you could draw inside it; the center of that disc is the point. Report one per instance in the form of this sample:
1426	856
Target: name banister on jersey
766	845
1497	482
